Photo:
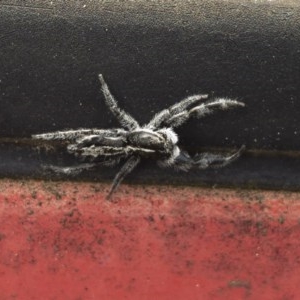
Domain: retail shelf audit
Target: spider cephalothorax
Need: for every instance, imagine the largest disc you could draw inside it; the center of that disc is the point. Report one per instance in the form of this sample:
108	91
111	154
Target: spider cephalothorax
157	139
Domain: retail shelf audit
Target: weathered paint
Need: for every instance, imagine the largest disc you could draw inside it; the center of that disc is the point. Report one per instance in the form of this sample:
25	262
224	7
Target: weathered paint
62	240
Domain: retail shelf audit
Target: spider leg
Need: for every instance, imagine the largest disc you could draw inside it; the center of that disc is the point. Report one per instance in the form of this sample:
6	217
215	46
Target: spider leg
181	162
124	118
94	152
203	161
71	170
209	160
202	110
74	170
129	165
173	110
72	135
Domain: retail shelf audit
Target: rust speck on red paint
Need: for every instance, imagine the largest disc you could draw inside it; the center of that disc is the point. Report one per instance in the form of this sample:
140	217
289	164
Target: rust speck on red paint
63	240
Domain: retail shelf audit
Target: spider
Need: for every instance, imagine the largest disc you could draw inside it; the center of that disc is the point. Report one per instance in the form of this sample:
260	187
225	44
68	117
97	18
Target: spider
156	139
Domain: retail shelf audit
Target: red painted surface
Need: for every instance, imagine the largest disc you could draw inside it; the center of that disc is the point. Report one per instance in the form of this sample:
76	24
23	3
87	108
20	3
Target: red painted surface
65	241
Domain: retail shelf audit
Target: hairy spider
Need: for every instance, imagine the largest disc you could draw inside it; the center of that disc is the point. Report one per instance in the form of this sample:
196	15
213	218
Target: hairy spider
156	139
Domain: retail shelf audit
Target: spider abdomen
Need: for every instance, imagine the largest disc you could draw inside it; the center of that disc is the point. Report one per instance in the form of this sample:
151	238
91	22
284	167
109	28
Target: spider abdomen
146	139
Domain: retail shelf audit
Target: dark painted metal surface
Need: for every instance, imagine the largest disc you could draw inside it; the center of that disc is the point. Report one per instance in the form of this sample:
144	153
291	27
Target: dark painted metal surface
153	54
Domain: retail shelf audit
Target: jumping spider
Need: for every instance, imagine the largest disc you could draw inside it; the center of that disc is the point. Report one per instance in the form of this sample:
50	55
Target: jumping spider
156	139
